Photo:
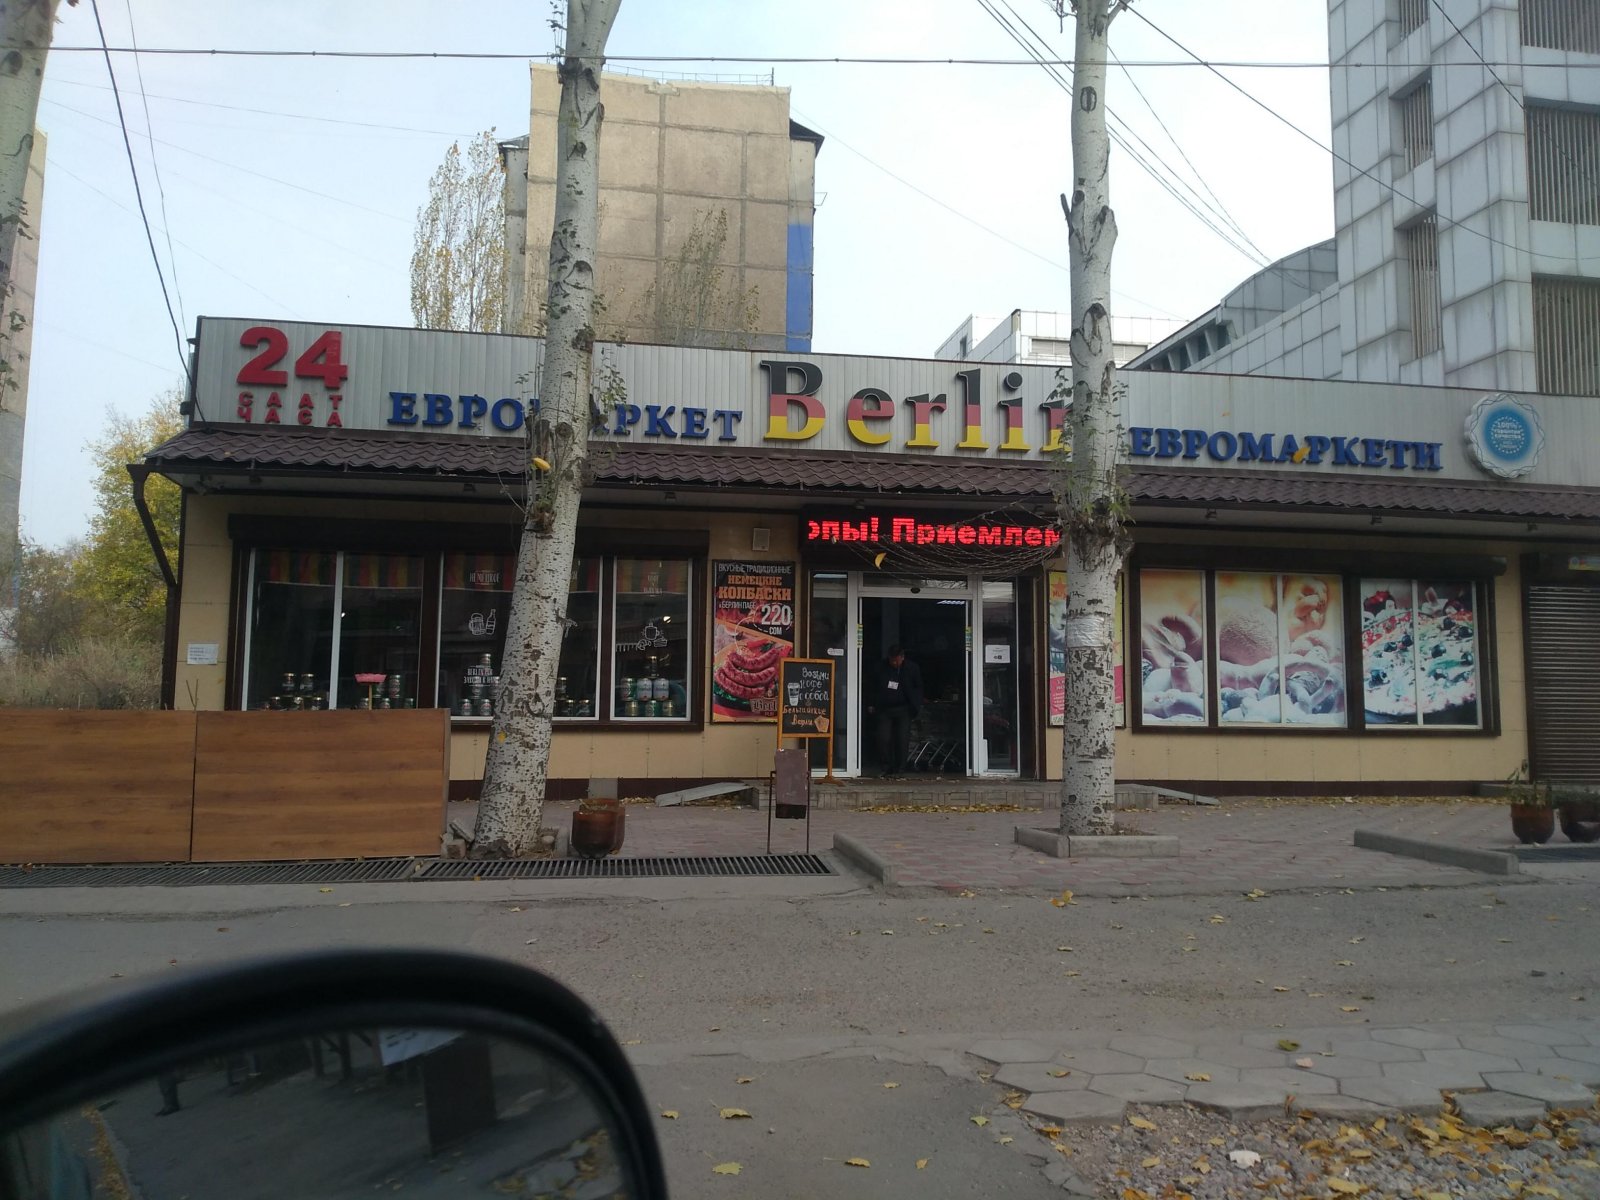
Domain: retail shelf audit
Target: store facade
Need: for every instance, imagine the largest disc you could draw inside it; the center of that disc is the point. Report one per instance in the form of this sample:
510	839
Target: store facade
1334	587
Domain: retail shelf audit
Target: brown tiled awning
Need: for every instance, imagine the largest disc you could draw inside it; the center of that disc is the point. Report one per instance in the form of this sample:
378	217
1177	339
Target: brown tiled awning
409	456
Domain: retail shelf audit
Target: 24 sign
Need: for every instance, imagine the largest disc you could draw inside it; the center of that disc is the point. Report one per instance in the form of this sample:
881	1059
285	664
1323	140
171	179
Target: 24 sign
322	359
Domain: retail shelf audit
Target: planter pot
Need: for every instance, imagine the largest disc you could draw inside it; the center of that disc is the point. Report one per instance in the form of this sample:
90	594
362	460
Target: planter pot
1532	823
1580	820
596	834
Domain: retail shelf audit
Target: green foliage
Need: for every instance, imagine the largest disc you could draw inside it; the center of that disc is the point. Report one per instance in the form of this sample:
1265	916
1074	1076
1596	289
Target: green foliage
118	671
692	303
116	573
458	260
51	611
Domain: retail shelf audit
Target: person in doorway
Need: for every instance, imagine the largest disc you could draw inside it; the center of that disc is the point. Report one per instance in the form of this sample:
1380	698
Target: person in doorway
895	702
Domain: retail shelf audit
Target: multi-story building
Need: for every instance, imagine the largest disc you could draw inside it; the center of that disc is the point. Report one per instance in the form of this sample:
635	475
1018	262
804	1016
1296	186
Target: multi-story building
676	157
1042	338
1466	138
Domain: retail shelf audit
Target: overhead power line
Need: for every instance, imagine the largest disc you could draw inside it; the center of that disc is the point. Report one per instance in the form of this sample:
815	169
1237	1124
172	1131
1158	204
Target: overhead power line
155	169
138	192
760	59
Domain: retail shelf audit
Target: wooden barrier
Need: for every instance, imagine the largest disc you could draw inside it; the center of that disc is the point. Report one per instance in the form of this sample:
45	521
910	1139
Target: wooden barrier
345	784
83	786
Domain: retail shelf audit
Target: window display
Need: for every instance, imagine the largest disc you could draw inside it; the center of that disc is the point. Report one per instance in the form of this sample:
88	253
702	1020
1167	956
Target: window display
380	624
1172	647
1419	651
650	638
290	657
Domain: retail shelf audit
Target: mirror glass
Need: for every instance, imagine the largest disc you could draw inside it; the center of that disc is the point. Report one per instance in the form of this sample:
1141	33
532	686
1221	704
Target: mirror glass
358	1113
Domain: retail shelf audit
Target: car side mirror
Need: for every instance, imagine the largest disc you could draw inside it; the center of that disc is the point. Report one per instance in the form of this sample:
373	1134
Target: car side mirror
331	1074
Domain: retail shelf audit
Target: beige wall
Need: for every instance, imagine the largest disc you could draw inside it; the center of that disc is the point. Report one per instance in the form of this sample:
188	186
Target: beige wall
671	152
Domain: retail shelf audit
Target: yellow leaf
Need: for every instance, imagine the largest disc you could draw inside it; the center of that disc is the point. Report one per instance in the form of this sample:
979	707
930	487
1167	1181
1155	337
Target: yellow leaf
324	890
1381	1124
1198	1077
726	1169
1344	1186
1539	1189
1280	989
1064	949
1073	974
1133	1193
542	464
1059	1074
1150	1162
1218	919
670	1114
1066	897
980	1120
1349	1008
1286	1045
922	1164
745	1079
1344	962
857	1162
877	559
891	1085
1006	1139
1141	1123
1057	903
1049	1130
1359	1153
734	1114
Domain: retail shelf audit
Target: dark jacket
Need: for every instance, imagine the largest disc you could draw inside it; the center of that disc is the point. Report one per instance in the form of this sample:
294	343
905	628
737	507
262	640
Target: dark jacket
907	689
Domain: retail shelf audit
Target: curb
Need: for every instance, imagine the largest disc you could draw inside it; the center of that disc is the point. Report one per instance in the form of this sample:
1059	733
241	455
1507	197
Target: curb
1489	862
863	858
1125	845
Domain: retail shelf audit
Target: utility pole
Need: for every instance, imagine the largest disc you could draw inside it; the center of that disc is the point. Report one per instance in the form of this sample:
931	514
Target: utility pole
1091	502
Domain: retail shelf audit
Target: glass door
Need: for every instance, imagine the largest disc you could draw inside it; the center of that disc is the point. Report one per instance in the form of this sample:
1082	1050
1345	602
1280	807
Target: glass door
830	636
930	621
999	713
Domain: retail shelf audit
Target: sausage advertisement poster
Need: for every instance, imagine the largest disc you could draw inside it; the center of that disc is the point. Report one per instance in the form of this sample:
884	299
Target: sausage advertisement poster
752	609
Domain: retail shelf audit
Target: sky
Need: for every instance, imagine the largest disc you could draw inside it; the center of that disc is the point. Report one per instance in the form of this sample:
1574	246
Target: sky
288	187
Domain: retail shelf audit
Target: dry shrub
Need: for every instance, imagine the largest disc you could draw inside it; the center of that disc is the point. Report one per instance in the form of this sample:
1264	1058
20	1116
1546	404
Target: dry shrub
94	672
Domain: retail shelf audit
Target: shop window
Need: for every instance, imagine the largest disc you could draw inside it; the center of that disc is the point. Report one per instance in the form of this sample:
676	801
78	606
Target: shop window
290	659
380	626
650	667
1419	653
578	685
1280	649
1172	647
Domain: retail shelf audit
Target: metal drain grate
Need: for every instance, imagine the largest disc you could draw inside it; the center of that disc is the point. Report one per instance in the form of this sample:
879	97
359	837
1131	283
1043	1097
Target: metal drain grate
688	867
401	870
1554	854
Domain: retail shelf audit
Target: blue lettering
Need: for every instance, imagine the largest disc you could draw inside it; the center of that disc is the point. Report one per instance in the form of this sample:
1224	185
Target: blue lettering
402	408
1193	439
627	417
1316	447
1397	450
1428	455
1344	452
1168	444
1222	445
727	418
1288	448
472	409
1141	441
1374	452
499	420
439	408
1255	448
657	425
694	423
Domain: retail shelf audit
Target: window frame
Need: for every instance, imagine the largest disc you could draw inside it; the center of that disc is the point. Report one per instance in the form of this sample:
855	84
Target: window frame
1351	568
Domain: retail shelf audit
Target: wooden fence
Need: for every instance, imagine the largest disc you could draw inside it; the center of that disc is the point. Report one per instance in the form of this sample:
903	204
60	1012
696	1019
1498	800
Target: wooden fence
84	787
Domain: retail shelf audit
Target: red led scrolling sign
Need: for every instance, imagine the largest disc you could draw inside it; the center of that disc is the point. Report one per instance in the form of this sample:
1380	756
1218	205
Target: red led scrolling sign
912	531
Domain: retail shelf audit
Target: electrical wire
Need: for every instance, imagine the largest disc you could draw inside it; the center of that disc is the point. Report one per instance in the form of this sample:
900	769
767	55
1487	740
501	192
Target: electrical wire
144	217
1384	184
155	169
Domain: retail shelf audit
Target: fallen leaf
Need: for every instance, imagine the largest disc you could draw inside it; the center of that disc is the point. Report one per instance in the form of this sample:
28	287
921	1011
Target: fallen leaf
1344	962
1141	1123
857	1162
726	1169
344	904
1006	1139
1287	1045
1150	1162
734	1114
745	1079
1280	989
1072	974
1254	894
633	1041
1066	897
891	1085
324	890
1218	919
888	933
1063	949
670	1114
1244	1159
1345	1187
922	1164
1356	941
1349	1008
1059	1074
1305	1064
980	1120
1198	1077
715	1029
514	909
1133	1193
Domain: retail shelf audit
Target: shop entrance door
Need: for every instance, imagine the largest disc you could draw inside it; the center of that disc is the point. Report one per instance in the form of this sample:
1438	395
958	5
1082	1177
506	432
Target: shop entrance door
933	631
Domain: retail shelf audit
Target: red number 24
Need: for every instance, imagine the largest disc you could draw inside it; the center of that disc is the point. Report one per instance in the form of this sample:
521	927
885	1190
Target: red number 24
323	359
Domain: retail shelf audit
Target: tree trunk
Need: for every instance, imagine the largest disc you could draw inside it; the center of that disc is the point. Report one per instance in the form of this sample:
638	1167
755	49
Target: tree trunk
514	779
1090	499
26	27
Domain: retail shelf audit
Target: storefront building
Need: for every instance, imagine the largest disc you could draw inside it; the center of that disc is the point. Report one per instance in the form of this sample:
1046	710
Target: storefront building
1335	588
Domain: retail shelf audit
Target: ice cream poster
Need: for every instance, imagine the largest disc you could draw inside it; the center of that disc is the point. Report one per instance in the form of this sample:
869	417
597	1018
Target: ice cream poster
1172	647
752	609
1280	649
1056	582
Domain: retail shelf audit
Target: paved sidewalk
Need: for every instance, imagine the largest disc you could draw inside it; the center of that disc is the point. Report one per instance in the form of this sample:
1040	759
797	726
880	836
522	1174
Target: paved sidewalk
1496	1074
1240	844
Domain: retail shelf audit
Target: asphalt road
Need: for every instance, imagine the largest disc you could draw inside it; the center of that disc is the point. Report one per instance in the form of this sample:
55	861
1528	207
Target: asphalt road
820	999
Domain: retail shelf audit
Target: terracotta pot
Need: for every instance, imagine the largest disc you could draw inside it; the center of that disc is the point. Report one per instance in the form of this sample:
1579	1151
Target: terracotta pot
1532	823
1580	820
595	833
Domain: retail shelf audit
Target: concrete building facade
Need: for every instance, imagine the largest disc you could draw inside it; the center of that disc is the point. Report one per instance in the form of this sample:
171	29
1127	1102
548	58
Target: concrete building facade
1466	176
1043	338
674	156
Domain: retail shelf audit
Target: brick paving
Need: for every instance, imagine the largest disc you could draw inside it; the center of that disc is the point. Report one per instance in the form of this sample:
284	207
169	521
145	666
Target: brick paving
1240	844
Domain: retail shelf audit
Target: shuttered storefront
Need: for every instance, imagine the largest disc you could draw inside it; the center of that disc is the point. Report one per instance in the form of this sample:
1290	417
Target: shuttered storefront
1564	682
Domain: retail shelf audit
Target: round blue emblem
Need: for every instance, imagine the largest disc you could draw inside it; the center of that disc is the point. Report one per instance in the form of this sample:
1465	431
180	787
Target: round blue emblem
1504	435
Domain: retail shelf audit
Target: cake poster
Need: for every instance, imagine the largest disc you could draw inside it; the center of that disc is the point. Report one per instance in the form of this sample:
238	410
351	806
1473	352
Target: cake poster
752	610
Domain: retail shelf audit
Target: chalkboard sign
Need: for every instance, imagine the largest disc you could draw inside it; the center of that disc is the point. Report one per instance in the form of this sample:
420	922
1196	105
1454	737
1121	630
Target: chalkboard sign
805	698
